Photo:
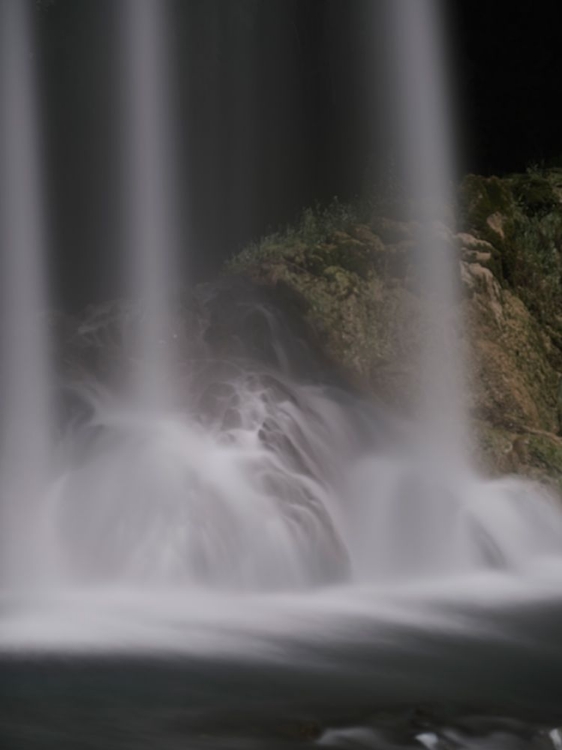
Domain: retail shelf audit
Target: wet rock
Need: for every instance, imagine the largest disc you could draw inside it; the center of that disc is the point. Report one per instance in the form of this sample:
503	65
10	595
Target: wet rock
359	293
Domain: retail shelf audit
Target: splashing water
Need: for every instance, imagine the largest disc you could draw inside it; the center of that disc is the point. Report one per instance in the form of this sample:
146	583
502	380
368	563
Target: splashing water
274	483
271	524
267	483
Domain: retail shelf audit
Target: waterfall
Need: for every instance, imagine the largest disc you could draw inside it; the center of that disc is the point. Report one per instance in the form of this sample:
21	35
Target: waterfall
151	233
266	554
256	479
424	140
26	374
414	507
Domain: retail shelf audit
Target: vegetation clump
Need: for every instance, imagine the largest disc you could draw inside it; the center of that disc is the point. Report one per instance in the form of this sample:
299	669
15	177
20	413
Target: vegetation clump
534	266
534	194
521	216
313	243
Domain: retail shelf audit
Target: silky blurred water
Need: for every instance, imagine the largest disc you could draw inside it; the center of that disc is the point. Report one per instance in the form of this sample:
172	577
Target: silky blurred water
113	668
225	549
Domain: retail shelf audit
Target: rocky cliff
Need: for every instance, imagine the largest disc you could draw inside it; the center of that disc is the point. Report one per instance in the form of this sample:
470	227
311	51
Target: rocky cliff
353	273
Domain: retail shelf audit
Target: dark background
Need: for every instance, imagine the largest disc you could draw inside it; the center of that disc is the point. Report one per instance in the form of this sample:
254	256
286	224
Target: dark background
276	106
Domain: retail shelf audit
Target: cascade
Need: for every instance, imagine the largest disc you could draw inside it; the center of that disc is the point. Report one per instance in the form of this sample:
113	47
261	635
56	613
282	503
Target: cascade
26	378
227	507
224	471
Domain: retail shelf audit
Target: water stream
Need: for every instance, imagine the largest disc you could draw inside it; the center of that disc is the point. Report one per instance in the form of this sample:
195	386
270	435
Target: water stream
26	431
233	549
150	232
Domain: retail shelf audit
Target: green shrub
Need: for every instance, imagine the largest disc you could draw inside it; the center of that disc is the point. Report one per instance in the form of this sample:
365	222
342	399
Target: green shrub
534	194
316	227
533	262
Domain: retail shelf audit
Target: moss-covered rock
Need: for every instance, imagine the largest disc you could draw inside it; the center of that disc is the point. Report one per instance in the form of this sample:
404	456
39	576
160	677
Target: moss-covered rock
521	217
513	381
354	280
481	198
341	292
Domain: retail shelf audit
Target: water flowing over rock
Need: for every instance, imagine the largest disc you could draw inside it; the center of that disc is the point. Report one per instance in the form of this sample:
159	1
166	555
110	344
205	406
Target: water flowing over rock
259	497
367	321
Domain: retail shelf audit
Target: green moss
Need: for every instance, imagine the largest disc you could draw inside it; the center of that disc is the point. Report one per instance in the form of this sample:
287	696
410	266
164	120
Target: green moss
318	240
546	453
531	263
328	261
325	239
